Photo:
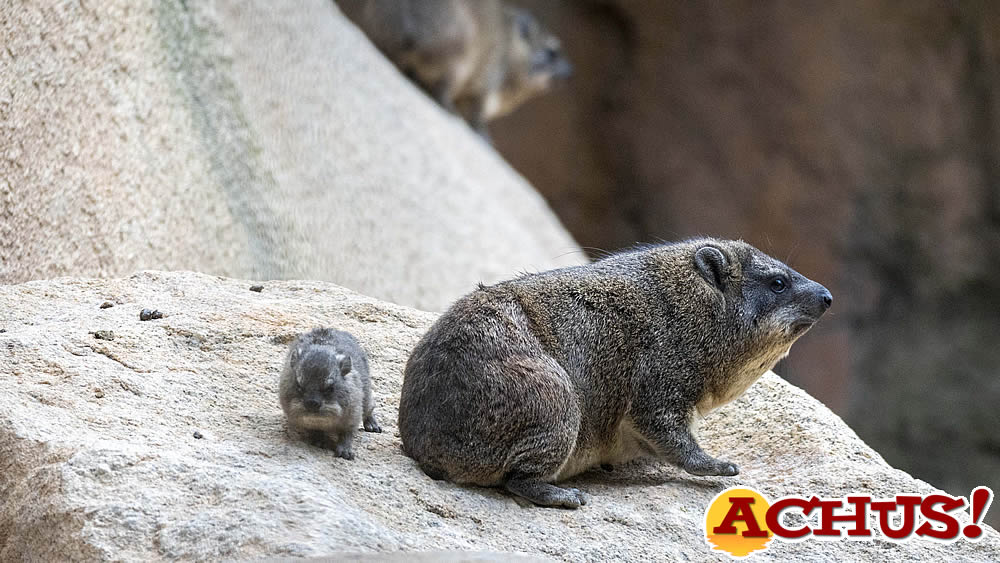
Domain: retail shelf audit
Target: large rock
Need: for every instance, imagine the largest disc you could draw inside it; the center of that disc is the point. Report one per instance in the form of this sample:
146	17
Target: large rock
167	442
247	138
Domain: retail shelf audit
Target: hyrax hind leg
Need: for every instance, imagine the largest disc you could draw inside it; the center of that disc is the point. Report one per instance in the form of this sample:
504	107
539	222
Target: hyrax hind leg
548	421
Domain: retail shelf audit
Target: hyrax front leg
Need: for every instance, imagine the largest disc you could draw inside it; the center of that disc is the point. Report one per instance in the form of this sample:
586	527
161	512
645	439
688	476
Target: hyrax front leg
370	424
671	434
342	444
368	420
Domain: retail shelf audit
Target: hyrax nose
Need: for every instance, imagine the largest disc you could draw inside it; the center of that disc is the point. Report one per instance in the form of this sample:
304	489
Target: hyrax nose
826	297
312	404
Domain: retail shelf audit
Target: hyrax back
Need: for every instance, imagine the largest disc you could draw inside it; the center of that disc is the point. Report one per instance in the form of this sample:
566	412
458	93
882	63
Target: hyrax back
477	58
325	389
536	379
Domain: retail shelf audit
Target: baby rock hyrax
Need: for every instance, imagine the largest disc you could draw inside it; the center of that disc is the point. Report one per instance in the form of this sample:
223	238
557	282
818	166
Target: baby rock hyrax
477	58
533	380
325	389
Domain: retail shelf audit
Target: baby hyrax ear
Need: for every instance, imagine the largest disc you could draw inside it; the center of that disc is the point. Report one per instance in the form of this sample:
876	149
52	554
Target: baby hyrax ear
713	265
344	361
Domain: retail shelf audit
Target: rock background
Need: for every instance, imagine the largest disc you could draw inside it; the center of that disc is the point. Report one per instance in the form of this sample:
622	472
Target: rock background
858	139
99	457
247	138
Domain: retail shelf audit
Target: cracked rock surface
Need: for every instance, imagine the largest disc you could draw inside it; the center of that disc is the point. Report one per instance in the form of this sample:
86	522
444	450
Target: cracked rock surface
100	456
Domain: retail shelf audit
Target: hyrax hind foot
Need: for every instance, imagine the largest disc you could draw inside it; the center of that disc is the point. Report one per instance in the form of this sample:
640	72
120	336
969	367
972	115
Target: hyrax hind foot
545	494
704	465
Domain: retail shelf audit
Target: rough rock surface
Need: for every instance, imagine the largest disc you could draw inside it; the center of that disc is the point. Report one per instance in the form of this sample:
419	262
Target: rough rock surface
166	441
247	138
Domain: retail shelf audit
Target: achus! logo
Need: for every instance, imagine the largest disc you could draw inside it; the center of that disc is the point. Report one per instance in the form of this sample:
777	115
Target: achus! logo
742	521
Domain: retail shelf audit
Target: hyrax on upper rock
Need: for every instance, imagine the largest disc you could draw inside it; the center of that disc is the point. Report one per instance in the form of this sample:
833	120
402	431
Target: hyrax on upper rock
477	58
325	389
533	380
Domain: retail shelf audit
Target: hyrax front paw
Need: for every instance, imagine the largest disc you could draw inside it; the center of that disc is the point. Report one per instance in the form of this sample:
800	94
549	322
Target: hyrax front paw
371	425
710	466
343	451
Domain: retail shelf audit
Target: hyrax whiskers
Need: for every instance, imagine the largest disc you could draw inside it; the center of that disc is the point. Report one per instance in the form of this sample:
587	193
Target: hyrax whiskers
325	389
534	380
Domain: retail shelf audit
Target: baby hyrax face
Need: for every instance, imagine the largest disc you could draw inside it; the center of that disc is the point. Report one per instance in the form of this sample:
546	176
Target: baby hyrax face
322	398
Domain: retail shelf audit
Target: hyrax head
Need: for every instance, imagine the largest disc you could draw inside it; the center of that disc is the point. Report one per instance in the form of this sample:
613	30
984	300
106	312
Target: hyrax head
321	381
534	58
768	299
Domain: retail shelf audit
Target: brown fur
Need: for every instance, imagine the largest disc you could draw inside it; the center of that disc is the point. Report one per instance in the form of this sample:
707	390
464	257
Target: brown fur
536	379
478	58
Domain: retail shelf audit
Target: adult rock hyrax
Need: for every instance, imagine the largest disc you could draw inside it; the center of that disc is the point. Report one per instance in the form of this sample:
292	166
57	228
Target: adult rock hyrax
533	380
325	389
477	58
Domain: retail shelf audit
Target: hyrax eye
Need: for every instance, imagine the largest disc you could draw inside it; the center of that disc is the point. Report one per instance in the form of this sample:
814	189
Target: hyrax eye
778	285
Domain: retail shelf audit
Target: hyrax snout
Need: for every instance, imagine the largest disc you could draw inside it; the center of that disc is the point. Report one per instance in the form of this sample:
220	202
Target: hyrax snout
533	380
325	389
477	58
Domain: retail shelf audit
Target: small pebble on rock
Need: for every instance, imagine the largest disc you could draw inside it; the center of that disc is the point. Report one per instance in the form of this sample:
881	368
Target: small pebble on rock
150	314
257	288
107	305
197	435
98	392
104	335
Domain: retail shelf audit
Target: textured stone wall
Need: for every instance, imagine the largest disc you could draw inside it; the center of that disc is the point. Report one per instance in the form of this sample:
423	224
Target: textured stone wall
260	139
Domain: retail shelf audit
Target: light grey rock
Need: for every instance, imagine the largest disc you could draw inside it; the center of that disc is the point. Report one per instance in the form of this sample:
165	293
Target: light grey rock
247	138
98	458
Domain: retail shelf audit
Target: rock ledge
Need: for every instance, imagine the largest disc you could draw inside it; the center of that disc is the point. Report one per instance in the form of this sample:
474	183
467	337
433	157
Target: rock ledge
100	455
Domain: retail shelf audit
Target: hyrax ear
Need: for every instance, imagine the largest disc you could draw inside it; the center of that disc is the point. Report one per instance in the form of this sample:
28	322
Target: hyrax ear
345	364
713	265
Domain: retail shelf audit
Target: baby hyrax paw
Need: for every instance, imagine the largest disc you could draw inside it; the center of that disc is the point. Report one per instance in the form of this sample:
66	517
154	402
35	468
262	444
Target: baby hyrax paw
371	425
344	451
